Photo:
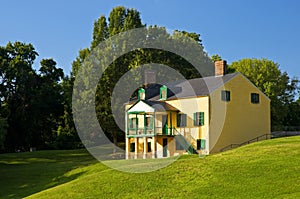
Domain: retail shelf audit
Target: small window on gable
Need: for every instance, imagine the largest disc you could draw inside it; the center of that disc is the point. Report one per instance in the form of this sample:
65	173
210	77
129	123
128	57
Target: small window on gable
181	120
199	119
254	98
225	95
163	92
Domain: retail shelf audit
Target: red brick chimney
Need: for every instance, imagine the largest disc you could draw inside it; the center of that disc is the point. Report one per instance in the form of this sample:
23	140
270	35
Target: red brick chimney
149	77
220	68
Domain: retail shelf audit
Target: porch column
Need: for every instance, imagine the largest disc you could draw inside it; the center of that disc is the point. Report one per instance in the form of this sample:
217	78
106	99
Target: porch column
126	123
136	148
145	147
153	147
136	124
127	147
171	126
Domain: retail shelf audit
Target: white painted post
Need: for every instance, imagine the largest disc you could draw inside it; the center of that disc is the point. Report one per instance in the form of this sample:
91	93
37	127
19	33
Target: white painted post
145	147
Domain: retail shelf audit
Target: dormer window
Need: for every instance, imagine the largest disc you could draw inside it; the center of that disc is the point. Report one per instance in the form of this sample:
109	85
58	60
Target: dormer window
163	92
141	94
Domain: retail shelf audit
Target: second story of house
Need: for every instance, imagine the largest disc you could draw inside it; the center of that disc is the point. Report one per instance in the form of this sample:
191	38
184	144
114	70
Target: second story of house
194	106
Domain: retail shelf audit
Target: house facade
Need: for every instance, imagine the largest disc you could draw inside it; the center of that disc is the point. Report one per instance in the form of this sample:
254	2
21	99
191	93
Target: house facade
200	116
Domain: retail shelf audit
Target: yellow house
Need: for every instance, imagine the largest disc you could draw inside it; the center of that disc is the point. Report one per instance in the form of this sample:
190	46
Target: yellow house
200	115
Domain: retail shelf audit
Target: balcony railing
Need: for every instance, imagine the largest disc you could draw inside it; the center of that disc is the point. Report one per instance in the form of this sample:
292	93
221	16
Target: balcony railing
151	131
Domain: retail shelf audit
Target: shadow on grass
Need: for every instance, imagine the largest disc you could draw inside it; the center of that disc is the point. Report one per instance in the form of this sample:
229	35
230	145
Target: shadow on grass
23	174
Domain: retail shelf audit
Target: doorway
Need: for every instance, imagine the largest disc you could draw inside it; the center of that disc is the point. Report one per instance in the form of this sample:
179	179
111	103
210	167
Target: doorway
165	147
164	124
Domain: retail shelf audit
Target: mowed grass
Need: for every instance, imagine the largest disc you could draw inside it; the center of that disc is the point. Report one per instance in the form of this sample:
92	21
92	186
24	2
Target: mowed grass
267	169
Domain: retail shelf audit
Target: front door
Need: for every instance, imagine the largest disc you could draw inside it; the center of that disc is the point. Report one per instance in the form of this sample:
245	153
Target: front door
165	124
165	147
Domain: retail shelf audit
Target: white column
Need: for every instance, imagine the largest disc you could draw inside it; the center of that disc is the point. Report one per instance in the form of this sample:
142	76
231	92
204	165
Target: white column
153	147
127	147
145	147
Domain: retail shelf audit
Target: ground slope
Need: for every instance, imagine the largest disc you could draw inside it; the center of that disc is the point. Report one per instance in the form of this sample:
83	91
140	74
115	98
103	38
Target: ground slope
267	169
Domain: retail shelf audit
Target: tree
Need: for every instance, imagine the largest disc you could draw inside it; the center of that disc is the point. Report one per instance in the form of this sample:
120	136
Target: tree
277	85
121	19
31	102
3	131
216	57
18	81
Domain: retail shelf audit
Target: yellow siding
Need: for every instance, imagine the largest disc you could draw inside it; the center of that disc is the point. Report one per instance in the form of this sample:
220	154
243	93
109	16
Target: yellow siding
189	106
239	120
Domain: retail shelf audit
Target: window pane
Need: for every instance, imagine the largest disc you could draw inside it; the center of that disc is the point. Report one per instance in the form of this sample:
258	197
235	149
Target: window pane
181	120
254	98
225	95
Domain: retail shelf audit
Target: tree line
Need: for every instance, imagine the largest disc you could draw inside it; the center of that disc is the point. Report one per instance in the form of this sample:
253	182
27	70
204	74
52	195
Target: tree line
36	105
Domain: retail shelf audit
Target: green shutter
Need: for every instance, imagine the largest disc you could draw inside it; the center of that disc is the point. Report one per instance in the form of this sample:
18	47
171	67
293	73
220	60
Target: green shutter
201	121
203	144
130	123
178	120
184	119
195	119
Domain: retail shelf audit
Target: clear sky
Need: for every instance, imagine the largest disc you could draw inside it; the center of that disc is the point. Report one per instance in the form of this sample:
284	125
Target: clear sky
235	29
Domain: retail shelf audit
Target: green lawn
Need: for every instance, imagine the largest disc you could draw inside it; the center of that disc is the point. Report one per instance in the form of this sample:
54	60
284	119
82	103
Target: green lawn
267	169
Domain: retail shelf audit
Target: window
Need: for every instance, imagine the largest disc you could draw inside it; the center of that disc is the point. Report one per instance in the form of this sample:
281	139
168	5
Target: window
149	122
181	120
179	146
254	98
163	92
225	95
132	147
199	119
133	123
200	144
141	94
149	146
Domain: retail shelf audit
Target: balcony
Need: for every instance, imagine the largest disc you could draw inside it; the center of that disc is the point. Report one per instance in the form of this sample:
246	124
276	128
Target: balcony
147	132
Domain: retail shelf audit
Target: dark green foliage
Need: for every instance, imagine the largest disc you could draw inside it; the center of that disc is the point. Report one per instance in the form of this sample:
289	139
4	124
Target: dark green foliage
31	101
216	57
121	19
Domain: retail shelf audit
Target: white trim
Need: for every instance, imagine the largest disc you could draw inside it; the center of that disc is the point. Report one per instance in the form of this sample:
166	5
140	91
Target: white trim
141	107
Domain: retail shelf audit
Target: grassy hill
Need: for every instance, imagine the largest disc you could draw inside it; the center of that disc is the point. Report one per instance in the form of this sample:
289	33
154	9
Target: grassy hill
267	169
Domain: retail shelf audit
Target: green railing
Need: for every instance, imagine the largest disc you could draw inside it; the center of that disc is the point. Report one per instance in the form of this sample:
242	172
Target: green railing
184	142
256	139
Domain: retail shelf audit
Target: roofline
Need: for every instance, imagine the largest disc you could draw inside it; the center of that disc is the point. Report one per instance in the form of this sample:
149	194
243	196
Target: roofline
255	86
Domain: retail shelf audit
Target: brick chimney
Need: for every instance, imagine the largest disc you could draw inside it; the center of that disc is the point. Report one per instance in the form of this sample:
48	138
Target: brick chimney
149	77
220	68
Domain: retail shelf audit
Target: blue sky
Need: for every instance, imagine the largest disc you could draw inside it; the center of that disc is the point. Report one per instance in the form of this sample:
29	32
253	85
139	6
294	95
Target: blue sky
235	29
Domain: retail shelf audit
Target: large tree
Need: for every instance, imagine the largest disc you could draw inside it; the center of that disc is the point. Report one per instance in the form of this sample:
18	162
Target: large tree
30	100
277	85
121	19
